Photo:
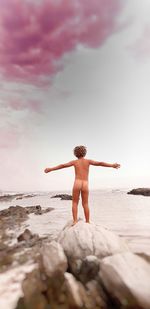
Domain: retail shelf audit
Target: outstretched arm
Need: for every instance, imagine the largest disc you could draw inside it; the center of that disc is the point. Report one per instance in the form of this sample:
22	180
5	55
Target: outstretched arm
97	163
58	167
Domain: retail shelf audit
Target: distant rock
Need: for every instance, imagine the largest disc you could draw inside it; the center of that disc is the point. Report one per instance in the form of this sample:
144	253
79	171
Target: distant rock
126	278
62	196
25	196
10	197
140	191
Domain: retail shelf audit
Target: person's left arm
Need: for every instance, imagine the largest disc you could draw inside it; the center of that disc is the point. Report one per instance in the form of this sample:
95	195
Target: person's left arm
58	167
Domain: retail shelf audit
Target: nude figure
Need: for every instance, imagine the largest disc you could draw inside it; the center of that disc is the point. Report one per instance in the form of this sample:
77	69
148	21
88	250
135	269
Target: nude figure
81	167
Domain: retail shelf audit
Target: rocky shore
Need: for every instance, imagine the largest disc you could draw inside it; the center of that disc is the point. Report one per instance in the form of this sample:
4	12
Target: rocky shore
86	267
17	196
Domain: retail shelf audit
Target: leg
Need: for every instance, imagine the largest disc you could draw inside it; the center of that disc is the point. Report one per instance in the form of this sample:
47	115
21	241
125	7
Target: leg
85	194
75	200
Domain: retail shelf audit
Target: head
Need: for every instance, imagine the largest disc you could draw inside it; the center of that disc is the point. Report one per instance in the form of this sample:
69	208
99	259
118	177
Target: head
80	151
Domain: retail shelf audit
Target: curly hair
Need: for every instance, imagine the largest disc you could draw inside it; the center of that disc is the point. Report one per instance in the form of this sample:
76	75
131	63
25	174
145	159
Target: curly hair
80	151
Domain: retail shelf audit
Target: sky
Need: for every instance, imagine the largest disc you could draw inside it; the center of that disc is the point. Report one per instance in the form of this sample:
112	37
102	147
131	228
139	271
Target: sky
74	73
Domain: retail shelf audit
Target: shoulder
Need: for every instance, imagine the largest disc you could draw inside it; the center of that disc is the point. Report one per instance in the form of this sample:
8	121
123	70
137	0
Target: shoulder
87	161
72	162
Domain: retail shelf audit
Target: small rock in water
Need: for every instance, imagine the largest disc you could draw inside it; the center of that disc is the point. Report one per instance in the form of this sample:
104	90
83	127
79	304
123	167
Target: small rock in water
140	191
63	196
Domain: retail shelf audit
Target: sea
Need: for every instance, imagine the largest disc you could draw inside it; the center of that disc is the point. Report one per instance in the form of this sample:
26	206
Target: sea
126	215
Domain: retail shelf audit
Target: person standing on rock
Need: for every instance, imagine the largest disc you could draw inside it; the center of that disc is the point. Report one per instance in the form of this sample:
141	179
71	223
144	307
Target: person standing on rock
81	166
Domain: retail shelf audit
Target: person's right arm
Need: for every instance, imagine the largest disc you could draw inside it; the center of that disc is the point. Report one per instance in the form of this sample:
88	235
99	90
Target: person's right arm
58	167
97	163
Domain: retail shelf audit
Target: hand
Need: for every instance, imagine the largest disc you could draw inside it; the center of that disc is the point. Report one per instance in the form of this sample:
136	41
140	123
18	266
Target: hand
116	165
47	170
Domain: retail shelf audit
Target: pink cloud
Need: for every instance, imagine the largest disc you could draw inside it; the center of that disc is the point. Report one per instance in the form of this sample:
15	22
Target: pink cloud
9	137
18	104
141	47
35	37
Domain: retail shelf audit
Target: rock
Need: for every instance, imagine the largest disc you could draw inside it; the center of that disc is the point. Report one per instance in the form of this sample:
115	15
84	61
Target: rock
53	259
73	291
80	296
126	278
96	296
63	196
21	196
89	269
34	209
20	212
37	209
27	235
33	292
140	191
85	239
14	211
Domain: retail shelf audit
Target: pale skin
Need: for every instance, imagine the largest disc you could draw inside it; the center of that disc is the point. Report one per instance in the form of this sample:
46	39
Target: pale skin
80	186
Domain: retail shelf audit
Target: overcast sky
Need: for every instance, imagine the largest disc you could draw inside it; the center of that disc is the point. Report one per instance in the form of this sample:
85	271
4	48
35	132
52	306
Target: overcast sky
74	72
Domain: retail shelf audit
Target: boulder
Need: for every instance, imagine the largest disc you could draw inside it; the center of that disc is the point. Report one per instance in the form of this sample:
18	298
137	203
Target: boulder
140	191
53	259
85	239
126	277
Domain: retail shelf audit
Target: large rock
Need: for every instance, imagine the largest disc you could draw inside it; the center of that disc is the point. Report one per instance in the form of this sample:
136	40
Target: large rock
85	239
140	191
53	259
126	278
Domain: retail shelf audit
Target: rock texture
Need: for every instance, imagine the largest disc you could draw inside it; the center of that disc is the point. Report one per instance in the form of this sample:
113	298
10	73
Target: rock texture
27	235
89	269
126	277
85	239
140	191
54	259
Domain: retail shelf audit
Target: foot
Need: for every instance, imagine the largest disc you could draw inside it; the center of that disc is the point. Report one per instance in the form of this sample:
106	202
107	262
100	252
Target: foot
87	221
73	223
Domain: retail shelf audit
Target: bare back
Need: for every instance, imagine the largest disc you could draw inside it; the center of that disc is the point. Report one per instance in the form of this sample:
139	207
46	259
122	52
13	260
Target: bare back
81	169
